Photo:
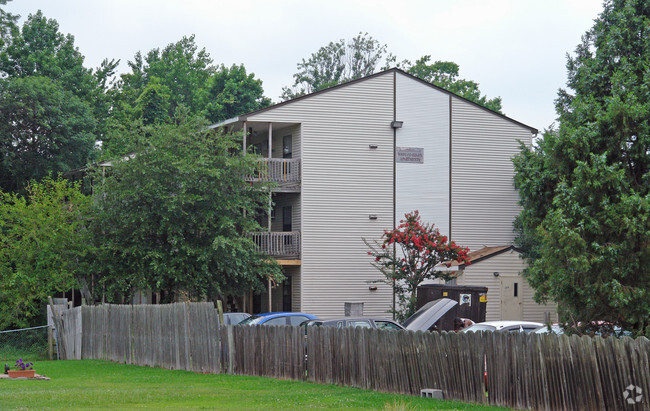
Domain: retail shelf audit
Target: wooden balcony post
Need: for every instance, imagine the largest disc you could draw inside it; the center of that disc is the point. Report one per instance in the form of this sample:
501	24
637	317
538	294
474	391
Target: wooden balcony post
244	137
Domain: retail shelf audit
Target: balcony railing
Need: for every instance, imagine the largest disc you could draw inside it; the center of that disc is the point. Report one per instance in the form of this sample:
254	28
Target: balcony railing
278	244
278	170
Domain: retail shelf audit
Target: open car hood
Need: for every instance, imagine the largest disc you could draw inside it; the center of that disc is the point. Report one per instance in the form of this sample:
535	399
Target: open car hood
425	317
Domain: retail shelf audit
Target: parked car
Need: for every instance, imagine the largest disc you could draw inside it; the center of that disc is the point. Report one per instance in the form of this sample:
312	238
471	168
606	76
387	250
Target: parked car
234	318
605	330
504	326
281	318
364	322
424	319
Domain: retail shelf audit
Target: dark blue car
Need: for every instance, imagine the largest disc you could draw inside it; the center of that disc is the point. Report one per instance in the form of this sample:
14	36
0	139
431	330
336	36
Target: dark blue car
285	318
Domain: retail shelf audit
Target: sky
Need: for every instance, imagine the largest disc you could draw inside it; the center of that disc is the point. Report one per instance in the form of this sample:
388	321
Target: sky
515	49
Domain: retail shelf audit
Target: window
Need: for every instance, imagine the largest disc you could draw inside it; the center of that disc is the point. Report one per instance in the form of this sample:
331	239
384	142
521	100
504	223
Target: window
361	324
297	319
277	321
387	325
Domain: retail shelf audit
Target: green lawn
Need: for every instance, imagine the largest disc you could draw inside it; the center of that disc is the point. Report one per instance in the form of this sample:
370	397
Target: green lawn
91	384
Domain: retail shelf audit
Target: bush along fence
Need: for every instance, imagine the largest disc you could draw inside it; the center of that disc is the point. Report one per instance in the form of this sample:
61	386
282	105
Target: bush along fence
523	371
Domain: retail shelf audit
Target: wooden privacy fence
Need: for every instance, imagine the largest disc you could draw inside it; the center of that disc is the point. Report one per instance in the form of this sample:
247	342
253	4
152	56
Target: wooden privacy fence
523	371
174	336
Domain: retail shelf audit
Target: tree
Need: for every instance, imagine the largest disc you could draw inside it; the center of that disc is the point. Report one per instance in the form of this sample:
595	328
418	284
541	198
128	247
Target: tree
175	216
154	103
585	189
181	75
39	49
43	129
337	63
232	92
362	56
410	254
445	74
7	23
49	103
44	243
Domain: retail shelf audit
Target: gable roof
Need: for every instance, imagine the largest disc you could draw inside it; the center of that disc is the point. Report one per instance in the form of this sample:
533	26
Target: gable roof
482	254
244	117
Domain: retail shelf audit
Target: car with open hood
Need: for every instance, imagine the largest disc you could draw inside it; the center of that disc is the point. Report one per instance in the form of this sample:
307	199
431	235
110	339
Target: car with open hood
424	319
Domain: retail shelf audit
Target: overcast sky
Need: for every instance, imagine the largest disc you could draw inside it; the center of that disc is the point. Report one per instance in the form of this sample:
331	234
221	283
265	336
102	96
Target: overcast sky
515	49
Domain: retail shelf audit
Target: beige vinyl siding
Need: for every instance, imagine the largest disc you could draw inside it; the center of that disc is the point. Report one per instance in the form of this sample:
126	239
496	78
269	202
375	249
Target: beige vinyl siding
507	264
423	187
484	201
343	181
533	311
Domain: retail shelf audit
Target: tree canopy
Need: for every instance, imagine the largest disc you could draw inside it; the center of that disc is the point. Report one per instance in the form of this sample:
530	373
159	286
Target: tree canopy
179	75
47	104
338	62
171	217
445	74
343	61
585	187
44	243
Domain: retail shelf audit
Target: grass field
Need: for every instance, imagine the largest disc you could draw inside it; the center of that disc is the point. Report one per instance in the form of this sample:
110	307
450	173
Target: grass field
91	384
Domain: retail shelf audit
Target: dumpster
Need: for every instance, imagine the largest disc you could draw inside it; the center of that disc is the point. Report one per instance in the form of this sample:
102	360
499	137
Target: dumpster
472	302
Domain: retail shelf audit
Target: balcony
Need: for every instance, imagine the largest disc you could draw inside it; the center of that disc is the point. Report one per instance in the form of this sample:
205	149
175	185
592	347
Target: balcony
283	171
278	244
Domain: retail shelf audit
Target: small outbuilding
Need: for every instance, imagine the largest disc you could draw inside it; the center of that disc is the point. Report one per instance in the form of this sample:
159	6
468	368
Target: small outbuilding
509	297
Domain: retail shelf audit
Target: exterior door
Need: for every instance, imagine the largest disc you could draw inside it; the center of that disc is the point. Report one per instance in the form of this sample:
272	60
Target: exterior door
511	298
286	219
286	294
287	147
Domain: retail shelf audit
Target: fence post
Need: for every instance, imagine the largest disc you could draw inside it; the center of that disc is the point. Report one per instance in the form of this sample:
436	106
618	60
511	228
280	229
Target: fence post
231	349
60	346
220	311
50	343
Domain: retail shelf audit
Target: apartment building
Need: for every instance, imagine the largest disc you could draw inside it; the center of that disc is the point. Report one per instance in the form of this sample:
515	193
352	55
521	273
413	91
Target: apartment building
351	160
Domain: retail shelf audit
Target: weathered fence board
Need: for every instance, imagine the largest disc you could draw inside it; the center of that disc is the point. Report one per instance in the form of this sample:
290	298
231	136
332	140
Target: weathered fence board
523	371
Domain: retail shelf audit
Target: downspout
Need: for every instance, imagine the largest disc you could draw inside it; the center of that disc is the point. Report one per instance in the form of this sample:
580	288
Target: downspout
270	155
394	179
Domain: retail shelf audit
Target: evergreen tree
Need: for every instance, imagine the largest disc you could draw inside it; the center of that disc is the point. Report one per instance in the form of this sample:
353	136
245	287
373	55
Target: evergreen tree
585	188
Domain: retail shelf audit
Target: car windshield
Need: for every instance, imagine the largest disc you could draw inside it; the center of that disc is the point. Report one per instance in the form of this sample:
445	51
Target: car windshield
255	319
234	318
387	325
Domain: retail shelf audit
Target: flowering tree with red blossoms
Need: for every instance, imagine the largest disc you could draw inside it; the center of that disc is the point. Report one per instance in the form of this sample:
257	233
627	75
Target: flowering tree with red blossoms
410	254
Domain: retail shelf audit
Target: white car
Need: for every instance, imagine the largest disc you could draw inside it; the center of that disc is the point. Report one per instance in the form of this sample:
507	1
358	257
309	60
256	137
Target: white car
504	326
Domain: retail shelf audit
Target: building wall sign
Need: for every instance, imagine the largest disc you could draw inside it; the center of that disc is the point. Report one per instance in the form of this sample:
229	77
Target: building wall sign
414	155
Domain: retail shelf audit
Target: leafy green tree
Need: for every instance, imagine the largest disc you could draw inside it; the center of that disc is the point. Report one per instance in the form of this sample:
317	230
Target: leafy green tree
445	74
181	75
362	56
337	63
585	188
7	23
52	108
44	243
232	92
43	129
154	102
172	217
40	49
410	254
177	75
